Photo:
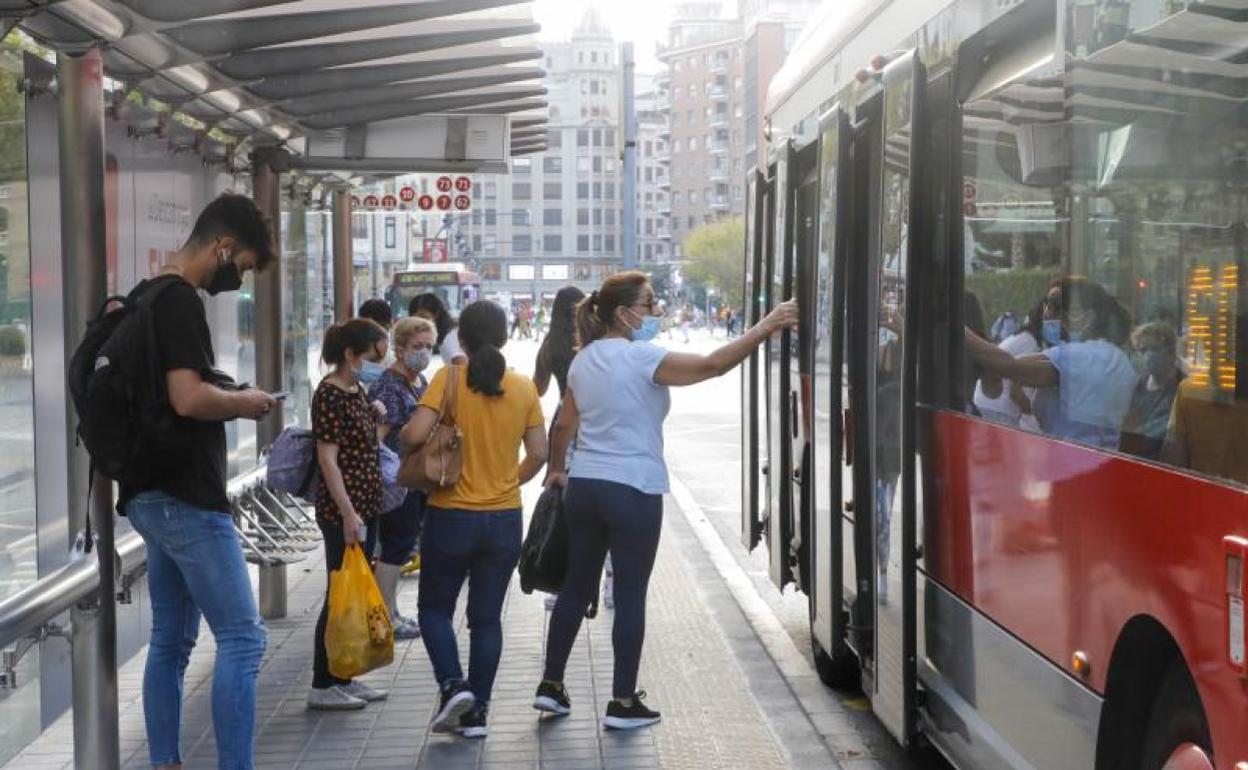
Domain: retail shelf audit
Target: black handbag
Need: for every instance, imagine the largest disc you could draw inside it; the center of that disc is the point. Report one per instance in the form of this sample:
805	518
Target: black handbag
544	554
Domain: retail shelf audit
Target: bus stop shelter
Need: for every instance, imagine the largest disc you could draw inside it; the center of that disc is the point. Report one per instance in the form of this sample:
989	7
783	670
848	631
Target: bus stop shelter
277	89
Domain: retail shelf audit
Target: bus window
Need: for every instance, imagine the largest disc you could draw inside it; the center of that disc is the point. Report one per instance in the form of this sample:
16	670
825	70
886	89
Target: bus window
1104	236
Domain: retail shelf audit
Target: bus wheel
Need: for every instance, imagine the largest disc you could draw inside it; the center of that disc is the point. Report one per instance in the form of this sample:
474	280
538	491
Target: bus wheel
839	668
1177	737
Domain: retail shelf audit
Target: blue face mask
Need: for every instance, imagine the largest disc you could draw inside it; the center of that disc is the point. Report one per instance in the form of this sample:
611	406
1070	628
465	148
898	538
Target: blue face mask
1052	331
650	326
369	372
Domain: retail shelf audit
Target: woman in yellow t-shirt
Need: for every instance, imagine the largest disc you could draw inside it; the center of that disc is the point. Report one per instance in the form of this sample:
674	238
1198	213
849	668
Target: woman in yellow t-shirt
474	528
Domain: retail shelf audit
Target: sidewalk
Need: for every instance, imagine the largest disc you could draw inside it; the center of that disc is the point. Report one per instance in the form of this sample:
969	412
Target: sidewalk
724	700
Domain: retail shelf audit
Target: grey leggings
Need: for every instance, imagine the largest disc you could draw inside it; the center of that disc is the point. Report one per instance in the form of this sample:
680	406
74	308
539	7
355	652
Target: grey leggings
602	516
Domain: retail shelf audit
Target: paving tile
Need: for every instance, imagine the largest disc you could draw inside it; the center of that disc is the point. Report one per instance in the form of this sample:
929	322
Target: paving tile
705	667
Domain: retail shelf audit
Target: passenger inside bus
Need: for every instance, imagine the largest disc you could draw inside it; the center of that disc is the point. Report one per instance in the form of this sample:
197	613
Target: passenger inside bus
1154	354
1208	429
1002	400
1092	375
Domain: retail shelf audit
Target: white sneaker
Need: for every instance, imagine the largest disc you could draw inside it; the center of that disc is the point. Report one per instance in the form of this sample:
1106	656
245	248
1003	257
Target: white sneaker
334	698
357	689
551	600
608	593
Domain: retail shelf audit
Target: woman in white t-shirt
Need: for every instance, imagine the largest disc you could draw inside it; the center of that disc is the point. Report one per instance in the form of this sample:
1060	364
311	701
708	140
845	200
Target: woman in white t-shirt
1003	400
615	404
1093	375
430	306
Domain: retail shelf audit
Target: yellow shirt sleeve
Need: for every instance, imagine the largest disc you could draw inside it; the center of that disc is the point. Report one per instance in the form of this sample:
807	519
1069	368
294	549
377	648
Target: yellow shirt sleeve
433	394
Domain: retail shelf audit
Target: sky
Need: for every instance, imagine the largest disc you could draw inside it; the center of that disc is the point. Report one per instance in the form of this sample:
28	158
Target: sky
644	22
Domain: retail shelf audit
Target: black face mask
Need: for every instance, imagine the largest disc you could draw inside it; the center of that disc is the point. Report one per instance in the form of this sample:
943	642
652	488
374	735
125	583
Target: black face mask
227	278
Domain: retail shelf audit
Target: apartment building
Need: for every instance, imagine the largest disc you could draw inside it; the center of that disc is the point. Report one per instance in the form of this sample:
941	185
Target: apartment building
556	219
704	60
654	159
719	68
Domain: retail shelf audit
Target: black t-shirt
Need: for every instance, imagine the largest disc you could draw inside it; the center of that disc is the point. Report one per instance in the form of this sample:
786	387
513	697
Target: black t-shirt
184	342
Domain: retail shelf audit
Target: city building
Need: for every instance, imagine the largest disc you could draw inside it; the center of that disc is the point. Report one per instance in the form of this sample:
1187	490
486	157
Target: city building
703	57
556	219
654	159
719	69
769	30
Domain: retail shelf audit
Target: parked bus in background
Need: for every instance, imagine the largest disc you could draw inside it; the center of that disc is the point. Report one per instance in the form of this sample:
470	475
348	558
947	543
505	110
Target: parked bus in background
454	284
1056	579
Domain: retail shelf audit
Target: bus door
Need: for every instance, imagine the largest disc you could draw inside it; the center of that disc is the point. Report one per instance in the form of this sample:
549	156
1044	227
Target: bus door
779	277
882	392
825	586
752	484
800	284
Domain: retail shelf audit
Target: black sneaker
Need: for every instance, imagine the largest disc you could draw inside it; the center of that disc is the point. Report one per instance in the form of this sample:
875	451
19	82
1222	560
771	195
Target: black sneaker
621	717
457	699
552	698
472	723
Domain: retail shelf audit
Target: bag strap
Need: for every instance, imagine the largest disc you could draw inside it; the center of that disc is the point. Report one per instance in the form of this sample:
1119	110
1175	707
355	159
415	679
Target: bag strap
450	396
145	296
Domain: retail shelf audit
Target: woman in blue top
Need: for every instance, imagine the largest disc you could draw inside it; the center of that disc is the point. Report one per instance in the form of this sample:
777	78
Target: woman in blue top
399	389
1092	375
615	404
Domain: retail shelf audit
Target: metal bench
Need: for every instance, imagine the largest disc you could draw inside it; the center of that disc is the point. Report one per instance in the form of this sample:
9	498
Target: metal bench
276	530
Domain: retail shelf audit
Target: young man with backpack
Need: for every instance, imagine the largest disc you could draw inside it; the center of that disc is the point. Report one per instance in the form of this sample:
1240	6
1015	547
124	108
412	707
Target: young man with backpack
195	563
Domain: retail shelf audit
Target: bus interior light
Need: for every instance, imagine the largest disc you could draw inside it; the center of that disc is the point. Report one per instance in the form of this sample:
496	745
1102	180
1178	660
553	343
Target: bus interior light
1236	549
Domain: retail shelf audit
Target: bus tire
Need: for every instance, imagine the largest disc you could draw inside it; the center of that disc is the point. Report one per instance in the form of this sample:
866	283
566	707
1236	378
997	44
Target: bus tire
838	669
1177	718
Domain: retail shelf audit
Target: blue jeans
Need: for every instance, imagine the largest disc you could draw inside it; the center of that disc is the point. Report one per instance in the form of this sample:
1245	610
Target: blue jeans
603	517
484	547
195	565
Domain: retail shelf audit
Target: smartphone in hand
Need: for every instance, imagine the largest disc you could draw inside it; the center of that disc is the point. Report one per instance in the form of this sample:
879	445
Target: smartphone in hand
281	395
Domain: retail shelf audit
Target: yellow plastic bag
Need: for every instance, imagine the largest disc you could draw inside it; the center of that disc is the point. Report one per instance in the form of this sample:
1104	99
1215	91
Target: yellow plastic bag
358	634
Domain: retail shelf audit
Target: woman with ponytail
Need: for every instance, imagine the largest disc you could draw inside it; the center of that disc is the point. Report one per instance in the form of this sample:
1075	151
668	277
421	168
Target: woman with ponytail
348	494
615	404
473	529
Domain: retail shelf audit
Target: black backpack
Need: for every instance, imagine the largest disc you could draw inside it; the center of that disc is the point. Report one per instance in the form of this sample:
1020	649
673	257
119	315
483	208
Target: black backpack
118	387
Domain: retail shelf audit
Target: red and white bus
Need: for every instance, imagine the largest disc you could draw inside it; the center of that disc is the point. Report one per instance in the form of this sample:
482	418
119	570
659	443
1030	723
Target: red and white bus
453	282
1046	576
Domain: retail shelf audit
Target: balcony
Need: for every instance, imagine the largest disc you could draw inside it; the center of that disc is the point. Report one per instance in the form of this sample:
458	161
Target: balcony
719	67
718	120
719	93
665	183
663	207
719	175
719	202
719	147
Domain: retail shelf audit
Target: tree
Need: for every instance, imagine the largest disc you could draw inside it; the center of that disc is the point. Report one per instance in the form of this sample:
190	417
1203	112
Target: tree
715	258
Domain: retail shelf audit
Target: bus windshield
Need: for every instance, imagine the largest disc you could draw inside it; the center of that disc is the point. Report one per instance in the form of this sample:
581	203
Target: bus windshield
454	286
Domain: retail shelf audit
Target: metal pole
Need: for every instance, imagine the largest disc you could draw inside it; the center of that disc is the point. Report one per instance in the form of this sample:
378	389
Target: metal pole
80	98
267	189
629	118
343	258
373	266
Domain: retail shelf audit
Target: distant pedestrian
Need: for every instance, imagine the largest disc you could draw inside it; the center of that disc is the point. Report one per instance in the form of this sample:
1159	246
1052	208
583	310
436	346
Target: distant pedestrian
616	402
348	493
378	311
430	306
195	564
473	529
